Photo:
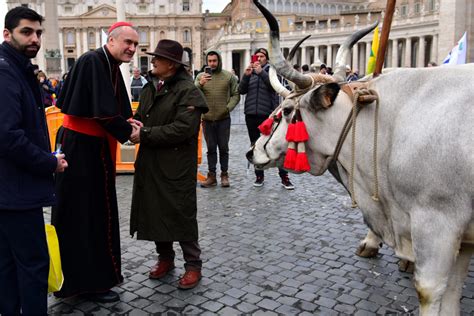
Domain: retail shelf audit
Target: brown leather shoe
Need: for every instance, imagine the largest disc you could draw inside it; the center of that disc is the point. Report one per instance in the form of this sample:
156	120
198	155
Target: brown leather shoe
225	180
210	181
161	269
189	280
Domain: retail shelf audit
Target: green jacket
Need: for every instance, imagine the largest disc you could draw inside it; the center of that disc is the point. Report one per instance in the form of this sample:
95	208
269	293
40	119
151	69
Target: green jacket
221	92
164	189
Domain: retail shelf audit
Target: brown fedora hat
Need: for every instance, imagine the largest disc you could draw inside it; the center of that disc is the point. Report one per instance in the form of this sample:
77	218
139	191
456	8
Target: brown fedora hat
169	49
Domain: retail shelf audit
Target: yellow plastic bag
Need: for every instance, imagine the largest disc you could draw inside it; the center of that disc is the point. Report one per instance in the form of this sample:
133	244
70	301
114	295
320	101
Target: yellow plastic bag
55	277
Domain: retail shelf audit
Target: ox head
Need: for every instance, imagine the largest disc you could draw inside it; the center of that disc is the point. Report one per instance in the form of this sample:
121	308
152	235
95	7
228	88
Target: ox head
313	95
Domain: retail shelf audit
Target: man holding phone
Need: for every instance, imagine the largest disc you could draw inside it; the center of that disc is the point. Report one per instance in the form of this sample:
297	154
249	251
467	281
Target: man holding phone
260	102
220	88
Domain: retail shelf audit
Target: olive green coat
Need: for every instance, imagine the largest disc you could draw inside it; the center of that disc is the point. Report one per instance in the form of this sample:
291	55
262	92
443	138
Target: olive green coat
164	189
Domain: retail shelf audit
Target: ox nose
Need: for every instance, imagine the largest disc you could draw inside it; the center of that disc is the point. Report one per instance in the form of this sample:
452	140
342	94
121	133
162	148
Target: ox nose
249	154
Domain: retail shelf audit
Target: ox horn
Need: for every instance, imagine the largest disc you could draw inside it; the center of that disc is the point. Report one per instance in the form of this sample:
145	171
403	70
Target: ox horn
282	66
272	74
345	48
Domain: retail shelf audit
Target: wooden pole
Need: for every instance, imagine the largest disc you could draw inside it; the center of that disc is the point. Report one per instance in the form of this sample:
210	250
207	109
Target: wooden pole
387	23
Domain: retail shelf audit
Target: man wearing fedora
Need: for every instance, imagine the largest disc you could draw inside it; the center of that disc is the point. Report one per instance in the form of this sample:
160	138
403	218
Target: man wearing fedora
164	204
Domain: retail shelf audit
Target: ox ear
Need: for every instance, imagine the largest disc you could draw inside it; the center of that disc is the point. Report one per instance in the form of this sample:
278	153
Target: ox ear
324	96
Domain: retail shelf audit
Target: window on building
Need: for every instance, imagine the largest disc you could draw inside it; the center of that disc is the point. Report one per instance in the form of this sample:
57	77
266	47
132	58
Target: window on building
70	62
67	9
404	10
162	35
91	38
143	36
248	25
25	5
144	64
162	9
290	22
417	7
431	5
142	8
89	8
187	36
186	5
70	38
258	24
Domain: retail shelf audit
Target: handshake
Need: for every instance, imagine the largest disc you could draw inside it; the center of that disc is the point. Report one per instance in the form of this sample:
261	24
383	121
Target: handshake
136	125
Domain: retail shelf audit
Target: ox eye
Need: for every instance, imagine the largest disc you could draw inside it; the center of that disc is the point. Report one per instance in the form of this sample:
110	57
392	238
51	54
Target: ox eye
287	111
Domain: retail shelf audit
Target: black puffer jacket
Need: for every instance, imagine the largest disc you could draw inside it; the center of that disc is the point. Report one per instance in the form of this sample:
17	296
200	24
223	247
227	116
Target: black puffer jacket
261	99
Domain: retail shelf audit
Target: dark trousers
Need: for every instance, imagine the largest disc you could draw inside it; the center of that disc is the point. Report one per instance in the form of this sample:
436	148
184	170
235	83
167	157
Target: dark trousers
24	263
191	253
217	134
253	122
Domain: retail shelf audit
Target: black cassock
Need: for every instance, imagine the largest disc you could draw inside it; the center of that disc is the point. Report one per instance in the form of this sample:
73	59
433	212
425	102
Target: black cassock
86	215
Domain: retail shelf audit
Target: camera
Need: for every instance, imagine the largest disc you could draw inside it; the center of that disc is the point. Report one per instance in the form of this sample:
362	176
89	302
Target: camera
254	58
208	70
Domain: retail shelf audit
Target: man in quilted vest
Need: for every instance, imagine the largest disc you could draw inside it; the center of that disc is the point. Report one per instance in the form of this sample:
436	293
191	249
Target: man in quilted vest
220	88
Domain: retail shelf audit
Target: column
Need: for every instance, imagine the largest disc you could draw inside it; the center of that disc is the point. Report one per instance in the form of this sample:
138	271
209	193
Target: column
61	51
153	41
355	57
78	43
434	48
85	45
316	54
408	53
329	57
247	54
229	60
303	55
98	38
395	53
368	49
421	52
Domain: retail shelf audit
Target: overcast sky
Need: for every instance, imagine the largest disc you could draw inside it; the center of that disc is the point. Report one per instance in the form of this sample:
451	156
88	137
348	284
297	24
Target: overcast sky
214	5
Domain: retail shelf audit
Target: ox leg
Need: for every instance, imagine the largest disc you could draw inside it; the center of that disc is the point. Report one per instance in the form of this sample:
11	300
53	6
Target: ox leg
452	296
435	246
369	246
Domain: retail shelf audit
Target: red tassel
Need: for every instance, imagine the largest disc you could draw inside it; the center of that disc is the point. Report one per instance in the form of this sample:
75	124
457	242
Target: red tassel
290	159
290	132
266	127
301	134
301	163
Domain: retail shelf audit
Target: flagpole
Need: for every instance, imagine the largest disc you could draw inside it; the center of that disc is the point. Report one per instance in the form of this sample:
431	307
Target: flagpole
387	23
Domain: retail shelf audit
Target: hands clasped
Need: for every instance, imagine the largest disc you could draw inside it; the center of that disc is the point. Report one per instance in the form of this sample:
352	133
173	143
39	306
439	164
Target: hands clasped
136	126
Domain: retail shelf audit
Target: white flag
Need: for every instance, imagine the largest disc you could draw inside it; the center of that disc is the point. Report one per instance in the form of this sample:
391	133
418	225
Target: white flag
103	37
458	54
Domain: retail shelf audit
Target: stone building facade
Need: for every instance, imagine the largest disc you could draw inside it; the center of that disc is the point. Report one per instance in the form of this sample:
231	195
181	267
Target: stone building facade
80	26
422	30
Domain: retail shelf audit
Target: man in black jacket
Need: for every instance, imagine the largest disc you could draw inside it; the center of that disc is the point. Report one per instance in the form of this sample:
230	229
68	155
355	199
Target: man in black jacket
26	170
260	102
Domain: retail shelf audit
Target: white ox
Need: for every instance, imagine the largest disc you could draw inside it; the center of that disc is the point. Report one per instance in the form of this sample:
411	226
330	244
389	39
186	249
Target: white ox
425	162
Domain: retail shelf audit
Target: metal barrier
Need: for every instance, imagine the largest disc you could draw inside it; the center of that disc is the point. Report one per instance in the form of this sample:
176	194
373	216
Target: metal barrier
126	153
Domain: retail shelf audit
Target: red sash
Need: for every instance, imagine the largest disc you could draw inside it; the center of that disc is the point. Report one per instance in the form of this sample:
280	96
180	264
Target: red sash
92	128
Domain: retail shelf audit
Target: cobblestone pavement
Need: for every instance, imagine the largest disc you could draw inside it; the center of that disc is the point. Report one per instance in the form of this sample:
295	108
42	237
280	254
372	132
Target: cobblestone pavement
266	251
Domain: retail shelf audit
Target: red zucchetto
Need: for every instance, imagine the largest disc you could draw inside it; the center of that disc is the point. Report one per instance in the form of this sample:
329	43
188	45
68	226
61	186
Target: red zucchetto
118	24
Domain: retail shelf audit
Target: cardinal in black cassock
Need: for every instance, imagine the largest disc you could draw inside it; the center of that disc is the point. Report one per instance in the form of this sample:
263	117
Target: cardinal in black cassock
95	102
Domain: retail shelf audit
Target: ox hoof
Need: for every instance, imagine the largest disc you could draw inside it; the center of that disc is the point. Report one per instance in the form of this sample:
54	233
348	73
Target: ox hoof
367	252
406	266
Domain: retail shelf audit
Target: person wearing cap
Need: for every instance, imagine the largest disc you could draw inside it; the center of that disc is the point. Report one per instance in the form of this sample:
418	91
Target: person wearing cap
260	102
96	108
164	206
351	76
